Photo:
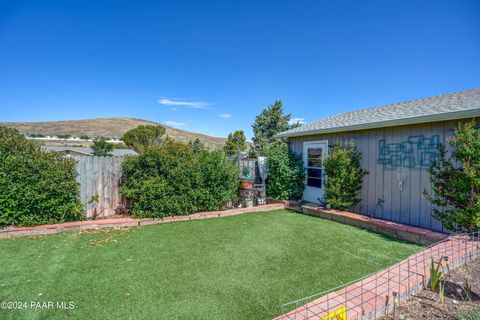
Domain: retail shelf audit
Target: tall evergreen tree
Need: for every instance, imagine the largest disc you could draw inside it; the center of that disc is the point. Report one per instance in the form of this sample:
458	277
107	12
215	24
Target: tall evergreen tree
455	180
268	123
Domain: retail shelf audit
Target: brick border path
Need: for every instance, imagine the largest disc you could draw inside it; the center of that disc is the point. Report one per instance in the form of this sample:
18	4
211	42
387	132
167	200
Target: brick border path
12	232
373	296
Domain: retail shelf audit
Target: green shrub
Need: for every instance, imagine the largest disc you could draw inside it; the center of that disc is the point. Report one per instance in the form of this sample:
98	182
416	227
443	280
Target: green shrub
286	174
174	179
456	181
344	175
35	187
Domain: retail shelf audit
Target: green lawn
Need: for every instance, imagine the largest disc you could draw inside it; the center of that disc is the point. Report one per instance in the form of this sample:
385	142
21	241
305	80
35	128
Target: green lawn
238	267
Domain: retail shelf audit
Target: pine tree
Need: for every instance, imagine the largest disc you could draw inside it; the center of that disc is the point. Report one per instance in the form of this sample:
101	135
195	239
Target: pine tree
268	123
456	181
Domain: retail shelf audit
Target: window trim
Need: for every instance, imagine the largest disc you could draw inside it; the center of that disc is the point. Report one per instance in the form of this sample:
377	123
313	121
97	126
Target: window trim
305	160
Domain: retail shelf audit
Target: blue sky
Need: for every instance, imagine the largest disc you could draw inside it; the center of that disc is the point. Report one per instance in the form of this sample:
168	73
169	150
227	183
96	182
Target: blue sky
211	66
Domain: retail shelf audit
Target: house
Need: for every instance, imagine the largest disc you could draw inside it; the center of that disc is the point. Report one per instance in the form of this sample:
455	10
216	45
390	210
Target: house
398	143
85	151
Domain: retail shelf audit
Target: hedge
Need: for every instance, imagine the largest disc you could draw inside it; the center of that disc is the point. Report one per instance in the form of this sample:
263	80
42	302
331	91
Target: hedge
174	179
36	187
286	173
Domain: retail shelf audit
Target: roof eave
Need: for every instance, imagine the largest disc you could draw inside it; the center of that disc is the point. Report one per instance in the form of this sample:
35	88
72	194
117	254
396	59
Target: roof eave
389	123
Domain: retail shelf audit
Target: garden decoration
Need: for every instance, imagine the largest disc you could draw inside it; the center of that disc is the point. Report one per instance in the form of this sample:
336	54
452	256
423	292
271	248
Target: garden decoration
262	172
247	178
262	168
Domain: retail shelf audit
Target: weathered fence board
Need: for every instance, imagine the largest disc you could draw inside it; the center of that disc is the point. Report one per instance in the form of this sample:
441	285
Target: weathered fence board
100	179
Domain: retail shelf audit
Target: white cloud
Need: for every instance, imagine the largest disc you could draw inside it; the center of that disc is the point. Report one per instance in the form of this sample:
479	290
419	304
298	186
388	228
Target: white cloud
174	123
225	115
295	120
184	103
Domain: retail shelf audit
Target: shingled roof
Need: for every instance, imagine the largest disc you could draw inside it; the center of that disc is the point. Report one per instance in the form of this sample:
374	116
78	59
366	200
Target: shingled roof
458	105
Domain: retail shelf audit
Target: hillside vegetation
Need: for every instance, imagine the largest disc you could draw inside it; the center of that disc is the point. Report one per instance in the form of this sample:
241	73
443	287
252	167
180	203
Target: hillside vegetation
105	127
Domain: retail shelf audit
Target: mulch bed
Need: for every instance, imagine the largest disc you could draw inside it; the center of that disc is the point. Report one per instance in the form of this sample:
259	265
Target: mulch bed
458	304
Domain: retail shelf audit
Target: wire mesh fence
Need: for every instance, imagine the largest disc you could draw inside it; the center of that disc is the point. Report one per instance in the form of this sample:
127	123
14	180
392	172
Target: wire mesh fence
377	294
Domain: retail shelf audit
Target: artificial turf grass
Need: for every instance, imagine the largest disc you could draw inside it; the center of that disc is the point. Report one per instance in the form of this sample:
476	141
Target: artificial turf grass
238	267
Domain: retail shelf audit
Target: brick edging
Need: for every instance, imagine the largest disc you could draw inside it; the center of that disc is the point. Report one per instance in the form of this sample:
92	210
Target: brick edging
15	232
390	228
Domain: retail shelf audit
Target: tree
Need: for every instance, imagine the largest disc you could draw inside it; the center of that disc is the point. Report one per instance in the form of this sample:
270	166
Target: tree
455	180
344	175
236	142
268	123
102	148
286	174
143	136
196	145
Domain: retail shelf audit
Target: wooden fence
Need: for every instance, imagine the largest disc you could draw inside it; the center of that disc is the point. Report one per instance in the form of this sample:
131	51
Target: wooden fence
100	179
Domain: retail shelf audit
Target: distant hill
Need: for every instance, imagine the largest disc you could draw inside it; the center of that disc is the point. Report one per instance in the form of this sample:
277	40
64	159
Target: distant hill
105	127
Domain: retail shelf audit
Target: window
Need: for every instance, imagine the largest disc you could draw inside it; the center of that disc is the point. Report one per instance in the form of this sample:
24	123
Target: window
314	167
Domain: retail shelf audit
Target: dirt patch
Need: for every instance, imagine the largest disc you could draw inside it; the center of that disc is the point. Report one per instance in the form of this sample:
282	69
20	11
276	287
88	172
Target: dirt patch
462	298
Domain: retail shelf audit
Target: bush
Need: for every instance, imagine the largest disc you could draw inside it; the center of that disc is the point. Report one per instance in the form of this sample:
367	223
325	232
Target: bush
456	181
344	175
35	187
173	179
286	174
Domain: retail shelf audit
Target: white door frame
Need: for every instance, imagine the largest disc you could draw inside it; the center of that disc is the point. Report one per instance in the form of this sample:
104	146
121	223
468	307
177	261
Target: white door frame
314	194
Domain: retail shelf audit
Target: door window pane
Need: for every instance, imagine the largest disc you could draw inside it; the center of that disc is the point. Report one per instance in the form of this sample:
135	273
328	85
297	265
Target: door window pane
314	177
314	173
314	156
314	182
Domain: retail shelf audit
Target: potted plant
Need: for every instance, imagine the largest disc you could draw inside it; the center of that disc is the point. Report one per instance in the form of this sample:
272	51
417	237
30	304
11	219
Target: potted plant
247	179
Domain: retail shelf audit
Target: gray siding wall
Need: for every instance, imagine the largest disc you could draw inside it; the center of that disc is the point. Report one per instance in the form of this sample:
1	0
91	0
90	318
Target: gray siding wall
381	181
